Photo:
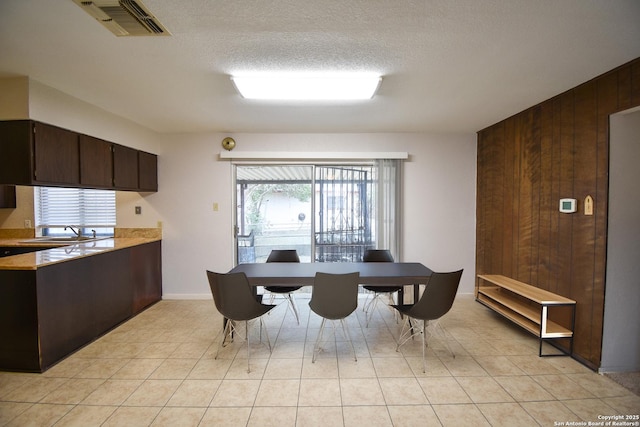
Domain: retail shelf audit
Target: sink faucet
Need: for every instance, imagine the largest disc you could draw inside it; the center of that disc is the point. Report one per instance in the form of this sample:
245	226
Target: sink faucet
77	233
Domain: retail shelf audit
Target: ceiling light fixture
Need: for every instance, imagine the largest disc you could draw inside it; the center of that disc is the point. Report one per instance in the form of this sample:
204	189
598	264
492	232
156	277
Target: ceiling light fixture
308	86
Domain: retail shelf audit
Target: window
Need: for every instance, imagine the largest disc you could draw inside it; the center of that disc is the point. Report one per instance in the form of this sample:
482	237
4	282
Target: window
86	209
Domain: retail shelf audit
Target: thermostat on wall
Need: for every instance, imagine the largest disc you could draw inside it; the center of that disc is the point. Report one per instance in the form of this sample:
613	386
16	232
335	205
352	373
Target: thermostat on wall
568	205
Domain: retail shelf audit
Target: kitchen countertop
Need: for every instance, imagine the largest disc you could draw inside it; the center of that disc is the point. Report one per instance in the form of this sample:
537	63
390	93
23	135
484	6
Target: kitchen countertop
63	252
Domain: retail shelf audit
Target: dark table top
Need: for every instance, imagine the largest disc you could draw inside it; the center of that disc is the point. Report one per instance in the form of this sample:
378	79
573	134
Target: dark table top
371	273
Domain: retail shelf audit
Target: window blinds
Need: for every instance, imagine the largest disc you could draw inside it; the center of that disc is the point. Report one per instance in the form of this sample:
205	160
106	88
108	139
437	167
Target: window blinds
86	208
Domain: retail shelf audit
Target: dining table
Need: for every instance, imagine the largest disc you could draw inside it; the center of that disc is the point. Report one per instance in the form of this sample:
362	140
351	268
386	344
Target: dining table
303	273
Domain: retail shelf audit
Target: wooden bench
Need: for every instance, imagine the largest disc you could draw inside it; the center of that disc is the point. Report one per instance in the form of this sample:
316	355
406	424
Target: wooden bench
526	306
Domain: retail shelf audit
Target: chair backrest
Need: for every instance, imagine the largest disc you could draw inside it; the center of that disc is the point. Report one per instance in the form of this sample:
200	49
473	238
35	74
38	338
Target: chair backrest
334	296
283	255
377	255
233	296
438	296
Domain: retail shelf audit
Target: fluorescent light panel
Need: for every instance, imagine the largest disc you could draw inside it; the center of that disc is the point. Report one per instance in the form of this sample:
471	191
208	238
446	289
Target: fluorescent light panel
307	87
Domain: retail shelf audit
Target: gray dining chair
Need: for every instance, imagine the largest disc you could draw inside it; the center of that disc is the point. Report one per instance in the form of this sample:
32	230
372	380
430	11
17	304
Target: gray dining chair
236	301
369	306
435	302
334	297
284	255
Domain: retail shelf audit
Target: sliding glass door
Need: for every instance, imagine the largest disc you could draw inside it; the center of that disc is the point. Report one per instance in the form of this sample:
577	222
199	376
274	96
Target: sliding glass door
328	213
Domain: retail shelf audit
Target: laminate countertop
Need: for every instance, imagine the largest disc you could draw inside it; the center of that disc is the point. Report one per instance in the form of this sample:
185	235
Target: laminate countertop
62	252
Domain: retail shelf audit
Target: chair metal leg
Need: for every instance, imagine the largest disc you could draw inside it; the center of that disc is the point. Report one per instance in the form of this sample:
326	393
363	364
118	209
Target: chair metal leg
316	347
292	305
346	333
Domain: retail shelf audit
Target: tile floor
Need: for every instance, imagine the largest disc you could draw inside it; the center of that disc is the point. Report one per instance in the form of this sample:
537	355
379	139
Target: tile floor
159	369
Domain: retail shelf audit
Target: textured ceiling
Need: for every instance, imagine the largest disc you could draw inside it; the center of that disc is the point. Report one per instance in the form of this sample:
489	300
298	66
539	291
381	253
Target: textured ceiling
448	66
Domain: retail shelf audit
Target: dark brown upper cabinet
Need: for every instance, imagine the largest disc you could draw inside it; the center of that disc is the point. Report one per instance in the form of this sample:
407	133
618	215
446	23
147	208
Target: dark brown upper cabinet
125	168
147	171
7	196
56	155
34	153
96	162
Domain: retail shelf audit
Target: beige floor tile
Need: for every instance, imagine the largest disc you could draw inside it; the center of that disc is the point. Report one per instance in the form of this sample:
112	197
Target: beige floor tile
102	368
599	385
413	416
73	391
319	392
231	417
561	387
9	381
434	368
361	391
85	416
370	416
391	367
283	368
484	390
506	414
550	412
112	392
460	415
10	410
238	369
443	390
179	417
190	350
463	366
523	388
278	393
236	393
319	417
499	366
33	390
402	391
173	369
137	369
132	416
68	368
158	350
589	409
321	368
272	417
212	369
196	393
625	404
152	393
44	414
534	365
363	368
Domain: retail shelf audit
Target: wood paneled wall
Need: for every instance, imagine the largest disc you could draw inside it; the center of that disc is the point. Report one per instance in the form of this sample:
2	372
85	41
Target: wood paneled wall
526	164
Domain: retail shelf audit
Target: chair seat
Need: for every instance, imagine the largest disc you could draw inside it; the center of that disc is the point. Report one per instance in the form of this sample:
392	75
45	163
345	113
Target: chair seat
282	289
383	289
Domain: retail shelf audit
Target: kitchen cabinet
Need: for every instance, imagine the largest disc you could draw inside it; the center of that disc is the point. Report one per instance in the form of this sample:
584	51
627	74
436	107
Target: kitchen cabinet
147	171
125	168
35	153
52	311
7	196
96	162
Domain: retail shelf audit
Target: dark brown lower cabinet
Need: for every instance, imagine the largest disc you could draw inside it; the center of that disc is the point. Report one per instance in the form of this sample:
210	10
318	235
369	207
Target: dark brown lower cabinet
47	314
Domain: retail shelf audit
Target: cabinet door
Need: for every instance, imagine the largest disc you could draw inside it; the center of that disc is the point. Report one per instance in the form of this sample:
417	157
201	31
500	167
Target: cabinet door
56	155
7	196
148	171
125	168
96	162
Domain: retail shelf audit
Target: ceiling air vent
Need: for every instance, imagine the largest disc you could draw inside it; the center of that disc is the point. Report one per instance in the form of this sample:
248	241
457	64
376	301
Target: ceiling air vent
124	17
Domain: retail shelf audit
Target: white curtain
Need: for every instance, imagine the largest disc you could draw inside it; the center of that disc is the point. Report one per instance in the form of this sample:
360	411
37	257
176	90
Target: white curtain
389	205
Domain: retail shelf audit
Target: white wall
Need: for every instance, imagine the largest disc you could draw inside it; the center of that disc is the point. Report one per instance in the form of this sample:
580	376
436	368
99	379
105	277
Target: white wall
621	329
439	200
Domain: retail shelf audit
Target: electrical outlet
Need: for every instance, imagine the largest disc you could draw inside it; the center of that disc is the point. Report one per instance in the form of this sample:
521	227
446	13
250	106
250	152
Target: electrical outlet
27	223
